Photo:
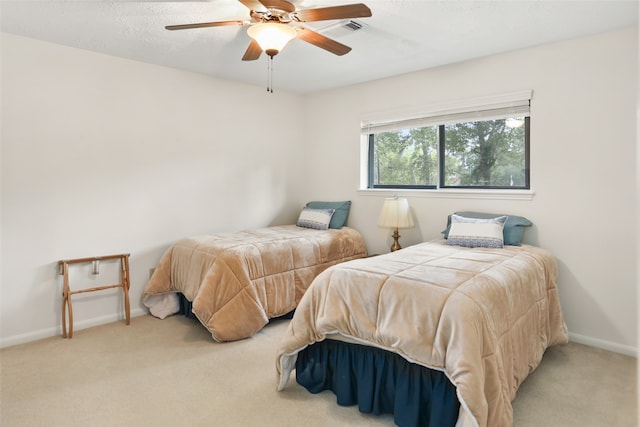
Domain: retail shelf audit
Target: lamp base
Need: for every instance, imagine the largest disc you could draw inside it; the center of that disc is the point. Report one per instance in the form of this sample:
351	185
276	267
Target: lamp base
395	236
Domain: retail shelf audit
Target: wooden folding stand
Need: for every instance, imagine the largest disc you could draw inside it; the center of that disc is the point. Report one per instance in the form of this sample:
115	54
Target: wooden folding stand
67	292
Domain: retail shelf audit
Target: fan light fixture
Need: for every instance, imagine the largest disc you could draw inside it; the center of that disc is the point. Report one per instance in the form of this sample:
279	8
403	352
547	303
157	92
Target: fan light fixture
271	36
395	214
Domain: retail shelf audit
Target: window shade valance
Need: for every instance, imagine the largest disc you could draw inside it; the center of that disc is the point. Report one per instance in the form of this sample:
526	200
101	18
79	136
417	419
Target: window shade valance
492	108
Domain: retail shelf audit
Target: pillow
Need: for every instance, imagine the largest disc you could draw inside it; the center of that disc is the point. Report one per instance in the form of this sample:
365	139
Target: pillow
340	215
315	218
513	228
476	232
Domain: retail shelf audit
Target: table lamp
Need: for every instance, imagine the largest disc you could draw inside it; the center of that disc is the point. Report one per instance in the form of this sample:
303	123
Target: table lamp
395	214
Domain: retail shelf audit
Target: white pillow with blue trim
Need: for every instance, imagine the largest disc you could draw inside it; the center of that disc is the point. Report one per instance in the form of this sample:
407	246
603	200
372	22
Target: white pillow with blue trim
476	232
318	219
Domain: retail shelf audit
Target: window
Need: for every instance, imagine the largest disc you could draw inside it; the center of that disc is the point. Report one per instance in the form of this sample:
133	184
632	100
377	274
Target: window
407	158
485	147
485	154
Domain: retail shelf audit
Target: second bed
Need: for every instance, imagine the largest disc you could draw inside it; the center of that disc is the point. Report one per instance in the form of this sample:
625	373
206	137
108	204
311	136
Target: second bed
434	333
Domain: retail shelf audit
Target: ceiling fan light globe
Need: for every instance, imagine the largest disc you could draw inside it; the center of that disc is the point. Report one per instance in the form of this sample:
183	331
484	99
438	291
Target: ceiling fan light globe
271	36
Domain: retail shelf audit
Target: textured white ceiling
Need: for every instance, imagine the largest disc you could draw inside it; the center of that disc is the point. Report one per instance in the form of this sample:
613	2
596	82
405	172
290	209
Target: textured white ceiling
401	36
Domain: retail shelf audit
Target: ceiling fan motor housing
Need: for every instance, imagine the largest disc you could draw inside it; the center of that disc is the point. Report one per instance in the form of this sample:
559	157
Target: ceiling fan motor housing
278	10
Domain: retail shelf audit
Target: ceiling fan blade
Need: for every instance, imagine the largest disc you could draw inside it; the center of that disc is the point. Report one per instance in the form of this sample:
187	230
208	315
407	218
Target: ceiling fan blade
357	10
252	4
203	25
253	51
321	41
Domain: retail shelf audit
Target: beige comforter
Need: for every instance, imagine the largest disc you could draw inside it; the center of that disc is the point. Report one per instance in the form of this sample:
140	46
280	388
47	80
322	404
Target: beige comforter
238	281
483	316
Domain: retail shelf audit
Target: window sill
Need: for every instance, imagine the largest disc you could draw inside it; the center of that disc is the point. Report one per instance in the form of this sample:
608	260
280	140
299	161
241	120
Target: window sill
451	194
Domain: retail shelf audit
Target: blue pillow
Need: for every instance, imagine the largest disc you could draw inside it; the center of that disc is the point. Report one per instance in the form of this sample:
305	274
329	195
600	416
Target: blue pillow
339	218
513	227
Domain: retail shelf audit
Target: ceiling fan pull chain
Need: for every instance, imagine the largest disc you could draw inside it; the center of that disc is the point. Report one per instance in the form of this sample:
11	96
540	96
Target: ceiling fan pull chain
268	72
270	75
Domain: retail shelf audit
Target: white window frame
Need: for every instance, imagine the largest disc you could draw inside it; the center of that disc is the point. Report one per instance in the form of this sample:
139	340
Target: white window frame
485	108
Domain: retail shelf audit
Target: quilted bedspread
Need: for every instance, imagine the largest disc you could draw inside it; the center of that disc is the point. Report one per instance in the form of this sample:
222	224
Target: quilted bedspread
238	281
482	316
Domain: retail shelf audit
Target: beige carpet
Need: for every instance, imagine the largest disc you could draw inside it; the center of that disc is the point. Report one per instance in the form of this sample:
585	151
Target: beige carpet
170	372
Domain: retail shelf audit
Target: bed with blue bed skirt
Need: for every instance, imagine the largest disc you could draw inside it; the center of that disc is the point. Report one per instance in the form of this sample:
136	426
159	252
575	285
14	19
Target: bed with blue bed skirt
437	334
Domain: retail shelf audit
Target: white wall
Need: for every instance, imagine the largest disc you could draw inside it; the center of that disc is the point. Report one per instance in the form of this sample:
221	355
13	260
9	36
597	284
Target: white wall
583	166
102	155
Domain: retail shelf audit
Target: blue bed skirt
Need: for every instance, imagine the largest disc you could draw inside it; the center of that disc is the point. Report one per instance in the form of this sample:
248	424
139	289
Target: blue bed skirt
186	306
379	382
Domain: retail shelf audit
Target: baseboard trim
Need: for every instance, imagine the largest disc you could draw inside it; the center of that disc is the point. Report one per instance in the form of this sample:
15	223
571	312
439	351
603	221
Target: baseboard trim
84	324
604	345
51	332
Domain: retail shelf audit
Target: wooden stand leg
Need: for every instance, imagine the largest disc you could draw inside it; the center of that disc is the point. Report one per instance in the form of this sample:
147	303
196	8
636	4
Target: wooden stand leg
66	303
64	316
126	307
125	287
70	310
67	310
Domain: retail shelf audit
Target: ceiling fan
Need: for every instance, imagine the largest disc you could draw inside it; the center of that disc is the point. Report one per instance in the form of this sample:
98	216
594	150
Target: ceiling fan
270	26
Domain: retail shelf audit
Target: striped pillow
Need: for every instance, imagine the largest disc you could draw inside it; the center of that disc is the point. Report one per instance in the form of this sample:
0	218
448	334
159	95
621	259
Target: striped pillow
476	232
318	219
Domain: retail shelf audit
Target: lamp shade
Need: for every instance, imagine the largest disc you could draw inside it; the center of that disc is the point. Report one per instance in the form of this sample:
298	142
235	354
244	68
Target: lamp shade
395	214
271	36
